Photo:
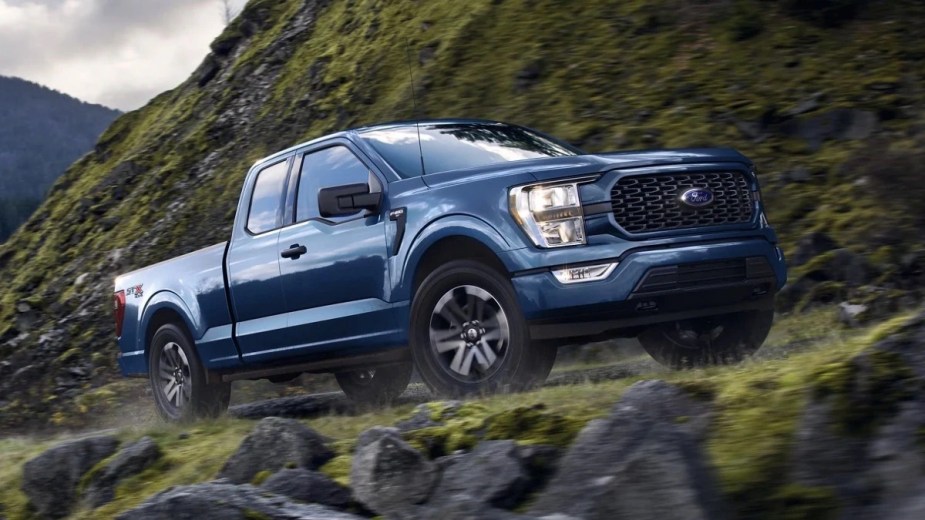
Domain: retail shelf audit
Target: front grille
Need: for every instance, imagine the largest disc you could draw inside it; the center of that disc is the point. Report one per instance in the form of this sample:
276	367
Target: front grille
647	203
687	276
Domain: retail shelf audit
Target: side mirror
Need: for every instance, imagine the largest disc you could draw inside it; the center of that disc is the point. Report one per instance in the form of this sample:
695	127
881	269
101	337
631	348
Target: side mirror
347	200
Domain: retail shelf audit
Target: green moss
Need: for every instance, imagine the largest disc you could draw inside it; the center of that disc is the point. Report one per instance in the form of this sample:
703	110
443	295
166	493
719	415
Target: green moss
251	514
261	477
865	391
796	502
533	425
338	468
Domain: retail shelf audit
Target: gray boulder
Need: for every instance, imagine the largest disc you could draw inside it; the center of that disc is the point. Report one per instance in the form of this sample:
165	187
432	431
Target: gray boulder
810	246
427	415
130	461
493	474
860	435
273	445
645	461
50	480
389	476
308	486
374	434
225	501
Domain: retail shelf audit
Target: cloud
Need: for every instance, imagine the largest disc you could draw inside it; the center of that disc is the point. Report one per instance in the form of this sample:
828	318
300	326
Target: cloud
118	53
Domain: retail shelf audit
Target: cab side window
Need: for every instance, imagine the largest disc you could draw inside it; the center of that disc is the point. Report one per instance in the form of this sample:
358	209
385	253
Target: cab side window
267	198
326	168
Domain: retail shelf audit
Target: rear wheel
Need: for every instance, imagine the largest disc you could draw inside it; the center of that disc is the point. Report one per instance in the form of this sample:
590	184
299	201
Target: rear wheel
178	379
375	385
468	335
707	341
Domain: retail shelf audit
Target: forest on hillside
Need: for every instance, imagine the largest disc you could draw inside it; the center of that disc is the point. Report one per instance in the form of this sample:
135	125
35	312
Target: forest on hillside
42	132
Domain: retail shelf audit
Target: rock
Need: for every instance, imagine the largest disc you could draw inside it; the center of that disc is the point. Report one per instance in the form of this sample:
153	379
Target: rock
23	307
852	315
528	76
223	501
492	474
427	415
130	461
374	434
809	104
389	476
50	480
274	444
645	461
799	174
840	123
860	435
308	486
293	406
810	246
207	70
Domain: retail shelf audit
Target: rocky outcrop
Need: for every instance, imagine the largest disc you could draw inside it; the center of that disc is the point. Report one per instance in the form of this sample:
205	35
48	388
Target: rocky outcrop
860	437
389	476
308	486
130	461
492	474
51	479
644	461
226	501
273	445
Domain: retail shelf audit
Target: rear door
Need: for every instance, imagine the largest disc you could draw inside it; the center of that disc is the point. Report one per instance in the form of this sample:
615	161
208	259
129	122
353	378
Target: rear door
334	292
254	282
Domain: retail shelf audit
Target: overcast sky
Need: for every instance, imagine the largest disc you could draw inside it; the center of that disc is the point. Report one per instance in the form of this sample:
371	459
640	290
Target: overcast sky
119	53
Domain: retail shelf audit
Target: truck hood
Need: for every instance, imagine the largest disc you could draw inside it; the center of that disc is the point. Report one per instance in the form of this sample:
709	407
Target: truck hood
575	165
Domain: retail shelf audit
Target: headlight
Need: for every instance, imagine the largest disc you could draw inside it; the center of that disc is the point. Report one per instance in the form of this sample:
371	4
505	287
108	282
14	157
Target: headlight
550	214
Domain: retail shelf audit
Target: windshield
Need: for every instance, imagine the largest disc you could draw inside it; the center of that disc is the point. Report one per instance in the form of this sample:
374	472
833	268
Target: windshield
455	146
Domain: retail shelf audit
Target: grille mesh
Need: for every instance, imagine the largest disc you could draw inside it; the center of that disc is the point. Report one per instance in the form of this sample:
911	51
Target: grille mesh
647	203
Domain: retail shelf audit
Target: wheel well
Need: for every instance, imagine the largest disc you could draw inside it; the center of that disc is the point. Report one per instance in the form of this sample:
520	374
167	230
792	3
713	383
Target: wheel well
163	317
455	248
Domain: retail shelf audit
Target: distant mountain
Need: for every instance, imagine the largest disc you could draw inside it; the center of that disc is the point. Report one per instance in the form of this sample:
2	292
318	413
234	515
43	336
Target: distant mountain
42	132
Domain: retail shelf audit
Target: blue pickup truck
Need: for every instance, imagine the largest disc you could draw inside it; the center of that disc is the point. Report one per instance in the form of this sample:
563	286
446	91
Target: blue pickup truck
466	249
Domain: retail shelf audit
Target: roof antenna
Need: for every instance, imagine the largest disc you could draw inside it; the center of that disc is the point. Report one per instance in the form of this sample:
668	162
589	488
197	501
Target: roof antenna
414	103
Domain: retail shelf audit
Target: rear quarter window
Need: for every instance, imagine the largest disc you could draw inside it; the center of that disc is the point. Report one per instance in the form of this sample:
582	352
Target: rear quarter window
267	198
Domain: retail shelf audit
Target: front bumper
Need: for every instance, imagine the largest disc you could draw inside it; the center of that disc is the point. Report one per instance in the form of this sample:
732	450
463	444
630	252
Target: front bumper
655	285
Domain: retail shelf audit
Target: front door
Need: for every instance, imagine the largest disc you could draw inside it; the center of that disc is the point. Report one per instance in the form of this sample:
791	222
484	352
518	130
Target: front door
334	291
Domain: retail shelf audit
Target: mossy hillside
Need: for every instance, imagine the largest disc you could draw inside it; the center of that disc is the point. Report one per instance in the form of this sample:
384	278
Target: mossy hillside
603	74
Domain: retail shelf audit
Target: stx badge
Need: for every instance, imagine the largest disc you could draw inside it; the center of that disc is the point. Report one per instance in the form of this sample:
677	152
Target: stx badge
137	291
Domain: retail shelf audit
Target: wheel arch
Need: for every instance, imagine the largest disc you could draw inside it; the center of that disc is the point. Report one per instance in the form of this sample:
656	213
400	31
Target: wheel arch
455	237
163	308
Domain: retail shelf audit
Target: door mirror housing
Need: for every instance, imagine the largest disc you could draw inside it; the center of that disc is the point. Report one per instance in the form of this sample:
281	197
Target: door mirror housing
340	201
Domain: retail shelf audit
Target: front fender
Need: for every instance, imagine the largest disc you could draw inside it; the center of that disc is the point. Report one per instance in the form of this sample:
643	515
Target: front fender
192	317
444	227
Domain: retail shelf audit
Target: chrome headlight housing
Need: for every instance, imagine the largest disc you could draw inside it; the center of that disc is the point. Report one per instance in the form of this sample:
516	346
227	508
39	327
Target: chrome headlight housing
550	213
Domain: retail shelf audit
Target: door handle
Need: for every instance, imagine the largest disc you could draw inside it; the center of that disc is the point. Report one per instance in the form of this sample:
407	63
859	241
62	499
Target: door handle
294	252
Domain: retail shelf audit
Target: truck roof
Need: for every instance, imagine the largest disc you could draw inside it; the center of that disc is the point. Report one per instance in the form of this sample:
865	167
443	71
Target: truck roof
377	126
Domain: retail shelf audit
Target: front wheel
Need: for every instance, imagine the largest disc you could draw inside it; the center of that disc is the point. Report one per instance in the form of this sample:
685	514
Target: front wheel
468	335
707	341
375	385
178	380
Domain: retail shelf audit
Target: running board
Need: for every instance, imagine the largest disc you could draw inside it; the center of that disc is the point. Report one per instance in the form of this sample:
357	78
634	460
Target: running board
323	365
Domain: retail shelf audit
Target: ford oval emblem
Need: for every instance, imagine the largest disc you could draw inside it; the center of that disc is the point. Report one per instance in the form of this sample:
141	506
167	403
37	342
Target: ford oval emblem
697	197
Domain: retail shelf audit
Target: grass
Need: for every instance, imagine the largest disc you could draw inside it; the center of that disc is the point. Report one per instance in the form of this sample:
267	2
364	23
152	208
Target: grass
757	405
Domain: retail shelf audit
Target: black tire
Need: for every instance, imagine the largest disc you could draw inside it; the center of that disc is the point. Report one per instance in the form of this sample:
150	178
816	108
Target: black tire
197	397
437	315
376	385
708	341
